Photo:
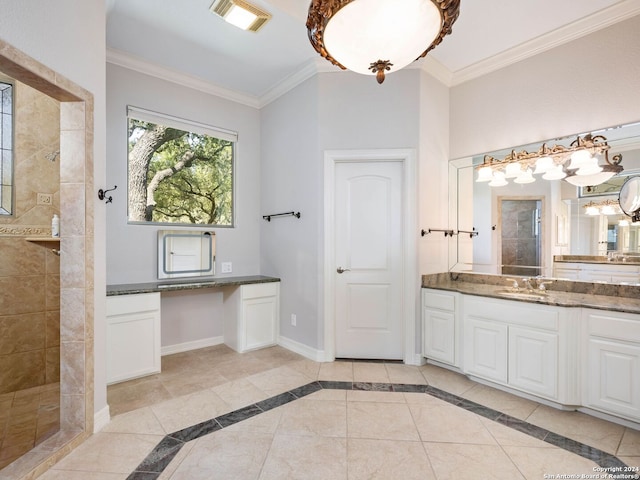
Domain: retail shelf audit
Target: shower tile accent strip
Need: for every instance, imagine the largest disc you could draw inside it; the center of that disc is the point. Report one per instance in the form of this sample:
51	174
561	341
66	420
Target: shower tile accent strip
155	463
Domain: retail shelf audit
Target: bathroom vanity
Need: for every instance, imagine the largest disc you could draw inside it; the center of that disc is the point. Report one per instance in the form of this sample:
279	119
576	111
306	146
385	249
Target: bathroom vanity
251	312
593	268
574	345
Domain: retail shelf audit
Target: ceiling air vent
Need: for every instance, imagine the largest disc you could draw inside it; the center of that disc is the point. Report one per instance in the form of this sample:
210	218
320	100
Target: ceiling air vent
241	14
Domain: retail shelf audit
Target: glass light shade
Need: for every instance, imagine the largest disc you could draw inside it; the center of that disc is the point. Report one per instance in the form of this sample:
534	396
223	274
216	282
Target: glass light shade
525	177
485	174
543	164
608	210
498	180
240	17
555	173
589	167
623	223
513	170
590	180
579	158
365	31
592	211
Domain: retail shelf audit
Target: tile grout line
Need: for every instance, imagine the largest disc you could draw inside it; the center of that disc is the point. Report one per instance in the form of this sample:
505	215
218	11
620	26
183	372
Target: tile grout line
155	463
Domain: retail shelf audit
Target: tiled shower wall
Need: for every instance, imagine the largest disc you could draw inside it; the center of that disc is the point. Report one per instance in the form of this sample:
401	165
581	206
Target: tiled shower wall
30	272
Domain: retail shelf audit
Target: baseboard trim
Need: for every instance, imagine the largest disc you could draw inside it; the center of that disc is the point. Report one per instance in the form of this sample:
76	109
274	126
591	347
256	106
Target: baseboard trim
194	345
101	419
302	349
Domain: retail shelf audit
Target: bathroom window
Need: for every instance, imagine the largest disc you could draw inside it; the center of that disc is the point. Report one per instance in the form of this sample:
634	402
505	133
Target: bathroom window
6	148
180	172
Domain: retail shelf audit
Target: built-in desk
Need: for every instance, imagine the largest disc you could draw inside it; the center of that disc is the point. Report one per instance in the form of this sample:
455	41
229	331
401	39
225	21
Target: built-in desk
251	312
186	284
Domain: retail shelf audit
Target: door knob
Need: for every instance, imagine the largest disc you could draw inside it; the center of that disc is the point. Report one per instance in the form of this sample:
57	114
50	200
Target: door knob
342	270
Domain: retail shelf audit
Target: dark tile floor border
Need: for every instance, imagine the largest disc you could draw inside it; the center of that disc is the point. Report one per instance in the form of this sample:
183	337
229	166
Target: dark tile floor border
160	457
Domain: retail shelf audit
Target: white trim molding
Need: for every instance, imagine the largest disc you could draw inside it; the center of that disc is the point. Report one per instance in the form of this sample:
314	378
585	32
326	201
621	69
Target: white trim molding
194	345
101	419
302	349
599	20
126	60
410	228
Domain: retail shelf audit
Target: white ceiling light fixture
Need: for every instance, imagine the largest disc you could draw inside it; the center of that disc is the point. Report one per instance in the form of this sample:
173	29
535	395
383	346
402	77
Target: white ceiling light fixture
241	14
377	36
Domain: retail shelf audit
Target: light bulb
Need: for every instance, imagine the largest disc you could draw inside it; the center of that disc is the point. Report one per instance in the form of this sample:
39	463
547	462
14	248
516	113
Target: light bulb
498	180
592	211
589	167
512	170
525	177
579	158
485	174
543	164
555	173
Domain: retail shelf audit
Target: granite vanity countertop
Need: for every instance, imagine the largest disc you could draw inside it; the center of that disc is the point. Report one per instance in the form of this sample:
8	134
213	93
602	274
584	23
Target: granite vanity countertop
563	293
626	260
186	284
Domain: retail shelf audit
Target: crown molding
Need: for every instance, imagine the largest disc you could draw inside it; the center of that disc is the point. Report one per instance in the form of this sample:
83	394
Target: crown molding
309	69
605	18
122	59
436	69
599	20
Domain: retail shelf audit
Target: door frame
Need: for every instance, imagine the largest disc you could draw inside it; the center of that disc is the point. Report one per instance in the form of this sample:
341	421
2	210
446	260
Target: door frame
410	226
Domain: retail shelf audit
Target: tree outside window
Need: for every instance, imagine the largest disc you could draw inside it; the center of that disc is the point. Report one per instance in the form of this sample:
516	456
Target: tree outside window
179	176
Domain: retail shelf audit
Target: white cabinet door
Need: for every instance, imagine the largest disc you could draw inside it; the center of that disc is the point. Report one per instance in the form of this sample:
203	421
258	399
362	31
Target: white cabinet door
533	361
595	276
251	316
623	277
614	377
486	349
566	273
260	317
439	335
133	336
439	326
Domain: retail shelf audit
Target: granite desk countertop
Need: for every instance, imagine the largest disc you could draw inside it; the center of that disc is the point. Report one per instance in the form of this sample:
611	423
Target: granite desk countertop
563	293
186	284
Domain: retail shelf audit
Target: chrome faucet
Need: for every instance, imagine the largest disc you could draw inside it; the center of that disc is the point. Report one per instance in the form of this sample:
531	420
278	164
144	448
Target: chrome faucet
541	283
514	283
527	284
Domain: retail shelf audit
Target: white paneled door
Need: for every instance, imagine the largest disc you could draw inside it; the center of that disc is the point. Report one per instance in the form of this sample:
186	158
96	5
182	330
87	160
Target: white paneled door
369	259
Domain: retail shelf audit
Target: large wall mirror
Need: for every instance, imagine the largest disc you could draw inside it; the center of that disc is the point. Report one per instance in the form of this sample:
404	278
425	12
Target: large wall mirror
522	227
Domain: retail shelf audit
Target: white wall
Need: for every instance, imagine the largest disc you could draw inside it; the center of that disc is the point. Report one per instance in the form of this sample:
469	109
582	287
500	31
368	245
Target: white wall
68	36
341	111
132	249
291	180
584	85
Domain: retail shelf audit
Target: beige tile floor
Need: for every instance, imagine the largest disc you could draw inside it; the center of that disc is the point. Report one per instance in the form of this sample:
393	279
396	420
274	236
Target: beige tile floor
330	434
27	417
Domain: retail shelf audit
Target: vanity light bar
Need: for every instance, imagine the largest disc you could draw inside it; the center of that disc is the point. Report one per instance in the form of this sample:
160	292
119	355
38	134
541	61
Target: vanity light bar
605	207
583	170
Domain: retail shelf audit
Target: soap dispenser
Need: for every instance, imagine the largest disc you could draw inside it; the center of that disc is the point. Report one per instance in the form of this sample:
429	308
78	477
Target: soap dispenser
55	226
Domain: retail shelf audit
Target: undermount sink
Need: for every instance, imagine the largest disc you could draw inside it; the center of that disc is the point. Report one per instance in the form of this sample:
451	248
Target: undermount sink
522	295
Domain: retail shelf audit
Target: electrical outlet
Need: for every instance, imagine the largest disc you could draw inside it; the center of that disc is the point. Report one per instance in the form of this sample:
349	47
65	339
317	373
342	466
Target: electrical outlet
226	267
44	199
294	320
